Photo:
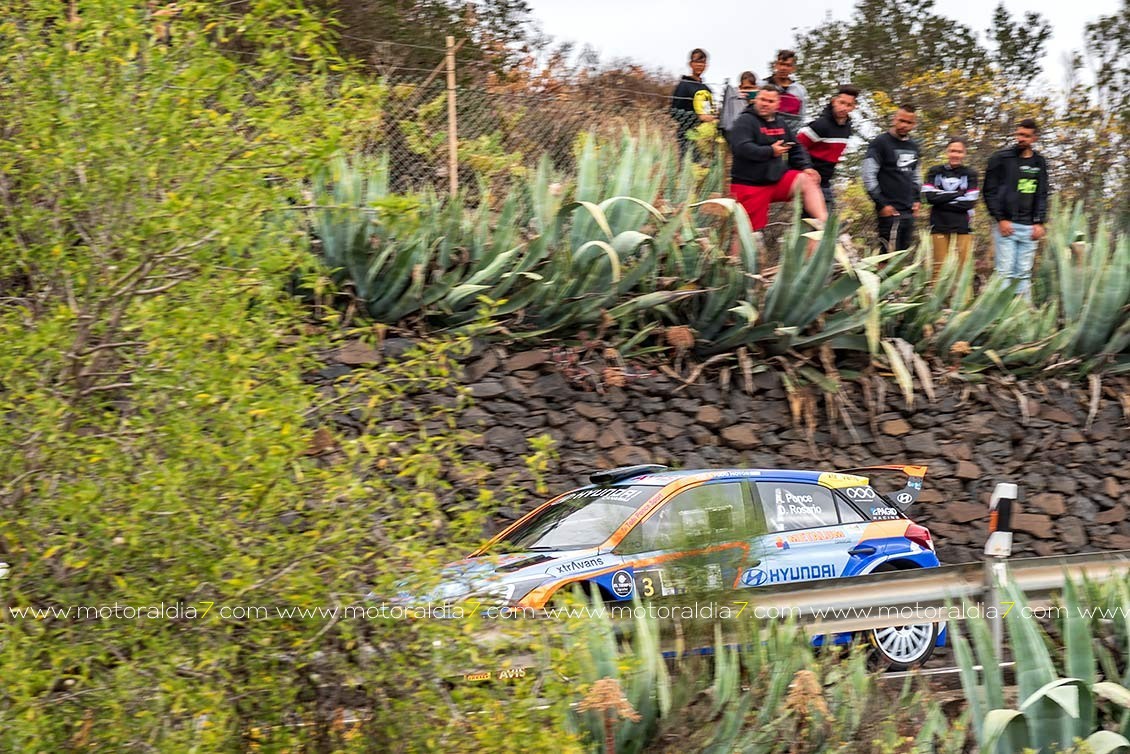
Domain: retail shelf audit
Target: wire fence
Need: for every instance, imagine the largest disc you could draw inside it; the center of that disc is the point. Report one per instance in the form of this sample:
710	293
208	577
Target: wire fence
441	133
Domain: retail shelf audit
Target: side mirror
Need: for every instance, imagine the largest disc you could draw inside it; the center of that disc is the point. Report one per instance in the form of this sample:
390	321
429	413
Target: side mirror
999	544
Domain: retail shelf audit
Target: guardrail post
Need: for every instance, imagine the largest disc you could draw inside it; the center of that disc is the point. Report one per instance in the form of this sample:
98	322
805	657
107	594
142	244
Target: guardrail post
997	549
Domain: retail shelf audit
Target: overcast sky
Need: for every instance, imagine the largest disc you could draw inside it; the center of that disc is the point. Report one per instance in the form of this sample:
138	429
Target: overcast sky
660	33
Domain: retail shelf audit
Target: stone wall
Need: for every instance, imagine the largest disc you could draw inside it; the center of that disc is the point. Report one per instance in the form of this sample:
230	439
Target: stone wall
1075	478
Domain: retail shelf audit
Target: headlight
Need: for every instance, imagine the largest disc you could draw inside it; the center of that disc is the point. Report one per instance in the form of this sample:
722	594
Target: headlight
507	593
499	593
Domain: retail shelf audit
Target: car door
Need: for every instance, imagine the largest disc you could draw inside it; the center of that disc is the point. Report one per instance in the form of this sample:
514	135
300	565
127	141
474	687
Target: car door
699	539
810	533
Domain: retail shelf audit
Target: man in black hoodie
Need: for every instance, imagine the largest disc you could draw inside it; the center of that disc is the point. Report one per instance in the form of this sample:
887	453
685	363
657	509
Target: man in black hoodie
826	138
890	175
692	102
1016	193
769	165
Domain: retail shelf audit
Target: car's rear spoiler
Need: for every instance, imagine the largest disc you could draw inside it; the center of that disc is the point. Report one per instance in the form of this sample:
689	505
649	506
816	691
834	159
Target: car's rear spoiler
905	497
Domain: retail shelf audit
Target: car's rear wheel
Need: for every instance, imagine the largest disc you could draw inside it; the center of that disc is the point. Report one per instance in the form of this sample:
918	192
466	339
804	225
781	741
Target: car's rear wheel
901	647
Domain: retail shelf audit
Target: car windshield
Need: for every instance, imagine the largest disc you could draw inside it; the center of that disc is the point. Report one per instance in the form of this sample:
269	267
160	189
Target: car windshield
583	518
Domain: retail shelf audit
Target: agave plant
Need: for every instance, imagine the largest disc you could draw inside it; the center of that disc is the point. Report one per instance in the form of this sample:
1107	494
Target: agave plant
773	694
636	242
1054	711
1079	314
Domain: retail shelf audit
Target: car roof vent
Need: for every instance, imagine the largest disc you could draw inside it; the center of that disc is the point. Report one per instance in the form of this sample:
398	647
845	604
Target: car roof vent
624	472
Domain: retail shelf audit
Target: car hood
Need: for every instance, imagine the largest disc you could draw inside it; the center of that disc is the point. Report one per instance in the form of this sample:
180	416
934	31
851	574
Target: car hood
491	575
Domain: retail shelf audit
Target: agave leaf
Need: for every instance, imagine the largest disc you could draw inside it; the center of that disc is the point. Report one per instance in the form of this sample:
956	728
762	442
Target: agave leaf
973	692
1004	729
818	378
813	277
840	323
869	299
411	300
461	293
1105	742
627	348
840	290
718	301
997	297
613	203
592	214
1064	692
1034	667
396	279
1080	656
1059	712
1113	692
648	301
493	271
902	374
1108	295
993	678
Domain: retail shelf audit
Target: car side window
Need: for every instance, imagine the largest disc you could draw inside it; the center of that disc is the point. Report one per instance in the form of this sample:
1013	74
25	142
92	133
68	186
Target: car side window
848	514
796	505
700	515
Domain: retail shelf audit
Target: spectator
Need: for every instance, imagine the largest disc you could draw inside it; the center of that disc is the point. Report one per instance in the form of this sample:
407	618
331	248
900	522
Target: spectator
1016	193
951	190
769	166
890	175
747	84
826	138
793	95
692	102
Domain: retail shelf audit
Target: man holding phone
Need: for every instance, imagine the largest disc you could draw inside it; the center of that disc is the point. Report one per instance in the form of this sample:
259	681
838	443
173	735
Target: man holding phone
769	166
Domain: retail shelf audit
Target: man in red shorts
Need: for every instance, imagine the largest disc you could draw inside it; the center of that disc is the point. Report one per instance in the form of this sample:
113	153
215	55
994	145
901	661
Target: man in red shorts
769	165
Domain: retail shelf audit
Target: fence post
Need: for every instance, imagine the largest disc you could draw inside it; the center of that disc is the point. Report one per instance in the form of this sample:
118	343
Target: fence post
452	134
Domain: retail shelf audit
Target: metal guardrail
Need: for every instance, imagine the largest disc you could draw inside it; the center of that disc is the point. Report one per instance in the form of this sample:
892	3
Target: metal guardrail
879	600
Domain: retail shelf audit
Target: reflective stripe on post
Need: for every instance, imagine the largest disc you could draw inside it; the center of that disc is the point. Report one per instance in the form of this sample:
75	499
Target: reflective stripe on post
999	544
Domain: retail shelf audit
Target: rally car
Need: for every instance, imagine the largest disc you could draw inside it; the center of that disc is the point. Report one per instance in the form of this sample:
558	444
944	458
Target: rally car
647	531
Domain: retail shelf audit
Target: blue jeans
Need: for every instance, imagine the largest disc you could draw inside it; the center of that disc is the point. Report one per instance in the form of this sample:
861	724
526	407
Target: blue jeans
1015	255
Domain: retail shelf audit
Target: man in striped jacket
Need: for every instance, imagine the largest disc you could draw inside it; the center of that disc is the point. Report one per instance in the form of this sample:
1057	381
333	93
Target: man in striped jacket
826	137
